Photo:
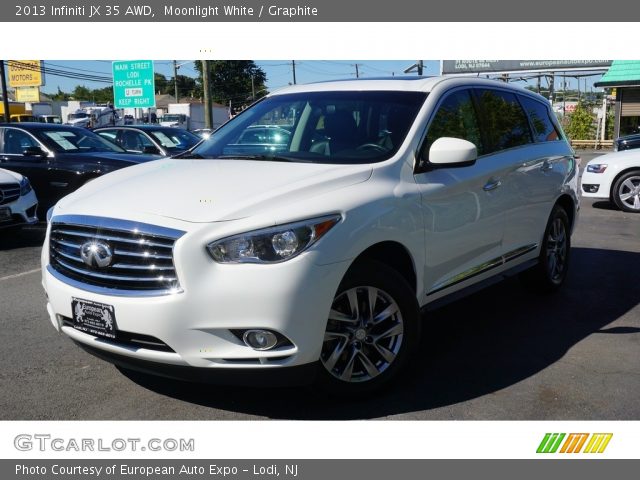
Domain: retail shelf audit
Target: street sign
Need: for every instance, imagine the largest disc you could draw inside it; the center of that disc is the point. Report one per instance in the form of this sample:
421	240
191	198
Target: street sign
133	84
28	94
25	73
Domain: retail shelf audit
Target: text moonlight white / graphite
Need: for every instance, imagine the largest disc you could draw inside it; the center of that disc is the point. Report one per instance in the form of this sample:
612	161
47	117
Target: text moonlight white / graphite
235	10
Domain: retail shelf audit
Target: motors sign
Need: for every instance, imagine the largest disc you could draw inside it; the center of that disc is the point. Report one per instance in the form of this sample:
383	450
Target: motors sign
25	73
504	66
133	84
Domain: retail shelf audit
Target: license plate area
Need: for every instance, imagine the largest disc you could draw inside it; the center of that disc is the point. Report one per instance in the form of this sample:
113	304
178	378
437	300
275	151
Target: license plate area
94	318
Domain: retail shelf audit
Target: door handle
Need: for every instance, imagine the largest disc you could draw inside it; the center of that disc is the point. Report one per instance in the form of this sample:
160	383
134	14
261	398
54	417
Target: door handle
546	166
492	184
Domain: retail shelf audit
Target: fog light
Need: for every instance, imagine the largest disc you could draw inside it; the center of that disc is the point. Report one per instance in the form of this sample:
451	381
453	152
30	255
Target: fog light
260	339
590	188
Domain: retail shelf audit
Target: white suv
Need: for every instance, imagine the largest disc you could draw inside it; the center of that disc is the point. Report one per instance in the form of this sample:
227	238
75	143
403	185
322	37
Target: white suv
308	253
18	202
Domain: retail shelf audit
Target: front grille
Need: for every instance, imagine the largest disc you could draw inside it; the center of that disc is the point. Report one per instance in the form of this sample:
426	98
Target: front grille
141	254
9	192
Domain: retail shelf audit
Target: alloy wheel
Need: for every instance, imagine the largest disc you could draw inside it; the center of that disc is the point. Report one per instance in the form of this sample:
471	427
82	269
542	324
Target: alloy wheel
556	249
629	193
364	334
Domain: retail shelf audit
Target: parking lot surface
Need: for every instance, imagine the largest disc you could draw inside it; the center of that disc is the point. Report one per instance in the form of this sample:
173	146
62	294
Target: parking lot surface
501	354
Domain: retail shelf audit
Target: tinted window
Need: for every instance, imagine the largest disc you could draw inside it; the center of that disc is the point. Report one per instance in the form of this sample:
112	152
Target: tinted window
16	141
543	129
75	140
504	122
456	117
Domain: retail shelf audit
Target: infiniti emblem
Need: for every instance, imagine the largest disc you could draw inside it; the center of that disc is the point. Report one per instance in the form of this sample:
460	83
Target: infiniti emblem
96	254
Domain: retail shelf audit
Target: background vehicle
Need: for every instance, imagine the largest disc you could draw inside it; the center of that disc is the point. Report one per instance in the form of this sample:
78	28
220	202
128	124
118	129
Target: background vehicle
190	116
627	142
18	202
95	117
49	119
57	159
614	177
22	117
315	256
203	133
165	141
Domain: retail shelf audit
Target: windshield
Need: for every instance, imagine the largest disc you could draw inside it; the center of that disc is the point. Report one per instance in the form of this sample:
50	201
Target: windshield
321	127
171	118
76	141
175	139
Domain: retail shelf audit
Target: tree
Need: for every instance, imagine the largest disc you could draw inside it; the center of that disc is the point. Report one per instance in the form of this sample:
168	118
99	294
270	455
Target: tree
82	93
161	83
580	124
231	81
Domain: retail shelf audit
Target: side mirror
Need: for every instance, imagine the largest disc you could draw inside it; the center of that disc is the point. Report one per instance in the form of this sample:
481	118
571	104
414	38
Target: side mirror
452	152
151	149
34	152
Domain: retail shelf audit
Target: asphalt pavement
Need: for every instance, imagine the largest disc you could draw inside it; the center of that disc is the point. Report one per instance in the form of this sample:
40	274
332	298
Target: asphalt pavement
501	354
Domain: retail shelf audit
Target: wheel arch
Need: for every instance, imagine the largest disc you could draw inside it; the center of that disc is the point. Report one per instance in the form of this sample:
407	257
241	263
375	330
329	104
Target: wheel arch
568	204
395	255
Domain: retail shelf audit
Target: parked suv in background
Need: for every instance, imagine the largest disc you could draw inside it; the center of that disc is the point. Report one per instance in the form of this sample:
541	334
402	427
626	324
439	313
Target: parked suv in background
627	142
314	260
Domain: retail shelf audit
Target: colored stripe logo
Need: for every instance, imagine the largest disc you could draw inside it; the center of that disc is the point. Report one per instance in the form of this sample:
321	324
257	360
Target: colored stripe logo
574	443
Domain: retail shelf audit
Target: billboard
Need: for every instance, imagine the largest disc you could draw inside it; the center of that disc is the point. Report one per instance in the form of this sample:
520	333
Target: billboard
28	94
25	73
495	66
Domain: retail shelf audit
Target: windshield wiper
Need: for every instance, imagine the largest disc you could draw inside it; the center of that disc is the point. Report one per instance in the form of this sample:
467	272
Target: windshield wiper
269	158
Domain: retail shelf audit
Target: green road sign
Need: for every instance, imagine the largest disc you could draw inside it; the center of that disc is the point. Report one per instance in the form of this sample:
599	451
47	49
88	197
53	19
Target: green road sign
133	84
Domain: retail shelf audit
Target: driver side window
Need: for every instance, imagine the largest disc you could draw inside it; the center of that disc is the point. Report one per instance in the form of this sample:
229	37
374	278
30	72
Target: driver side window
16	141
456	117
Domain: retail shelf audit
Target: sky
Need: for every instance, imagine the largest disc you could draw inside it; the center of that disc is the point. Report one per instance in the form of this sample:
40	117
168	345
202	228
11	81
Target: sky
279	72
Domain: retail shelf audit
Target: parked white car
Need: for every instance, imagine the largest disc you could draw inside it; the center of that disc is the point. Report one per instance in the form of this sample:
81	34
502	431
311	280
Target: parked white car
313	259
615	177
18	202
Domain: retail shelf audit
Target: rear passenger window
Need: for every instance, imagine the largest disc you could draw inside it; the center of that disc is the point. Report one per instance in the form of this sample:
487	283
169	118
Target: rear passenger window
456	117
504	122
543	128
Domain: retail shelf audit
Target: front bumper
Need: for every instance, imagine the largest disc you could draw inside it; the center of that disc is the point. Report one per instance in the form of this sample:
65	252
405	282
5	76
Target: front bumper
292	298
594	185
23	211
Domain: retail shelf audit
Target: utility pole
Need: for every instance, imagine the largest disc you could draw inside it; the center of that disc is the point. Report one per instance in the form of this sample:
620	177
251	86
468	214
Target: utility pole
175	79
206	86
357	71
538	85
293	65
420	66
253	88
5	95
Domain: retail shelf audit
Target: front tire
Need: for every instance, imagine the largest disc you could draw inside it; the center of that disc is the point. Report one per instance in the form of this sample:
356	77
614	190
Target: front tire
626	192
553	263
372	330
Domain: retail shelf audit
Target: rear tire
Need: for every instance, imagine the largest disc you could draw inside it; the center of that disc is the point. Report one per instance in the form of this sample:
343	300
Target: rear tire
553	263
372	330
626	192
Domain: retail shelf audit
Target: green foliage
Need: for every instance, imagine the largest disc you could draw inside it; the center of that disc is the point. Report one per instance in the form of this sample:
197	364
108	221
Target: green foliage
610	125
580	124
231	81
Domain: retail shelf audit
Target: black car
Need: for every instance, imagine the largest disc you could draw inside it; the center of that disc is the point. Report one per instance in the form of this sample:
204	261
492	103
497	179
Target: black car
627	142
58	159
165	141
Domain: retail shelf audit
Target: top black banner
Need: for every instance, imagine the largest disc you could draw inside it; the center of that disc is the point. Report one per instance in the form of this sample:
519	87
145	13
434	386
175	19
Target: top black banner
315	11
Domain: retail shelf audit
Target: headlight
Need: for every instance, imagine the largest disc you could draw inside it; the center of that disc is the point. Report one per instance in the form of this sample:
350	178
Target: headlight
597	167
25	186
274	244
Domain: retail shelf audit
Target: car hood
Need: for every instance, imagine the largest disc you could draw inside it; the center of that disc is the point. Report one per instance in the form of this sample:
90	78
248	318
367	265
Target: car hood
622	157
207	190
7	176
110	157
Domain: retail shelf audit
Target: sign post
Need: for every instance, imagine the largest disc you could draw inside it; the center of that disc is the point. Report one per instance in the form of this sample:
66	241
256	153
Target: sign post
133	84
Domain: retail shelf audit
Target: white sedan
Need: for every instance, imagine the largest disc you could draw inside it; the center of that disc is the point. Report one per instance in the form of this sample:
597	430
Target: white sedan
18	202
615	177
